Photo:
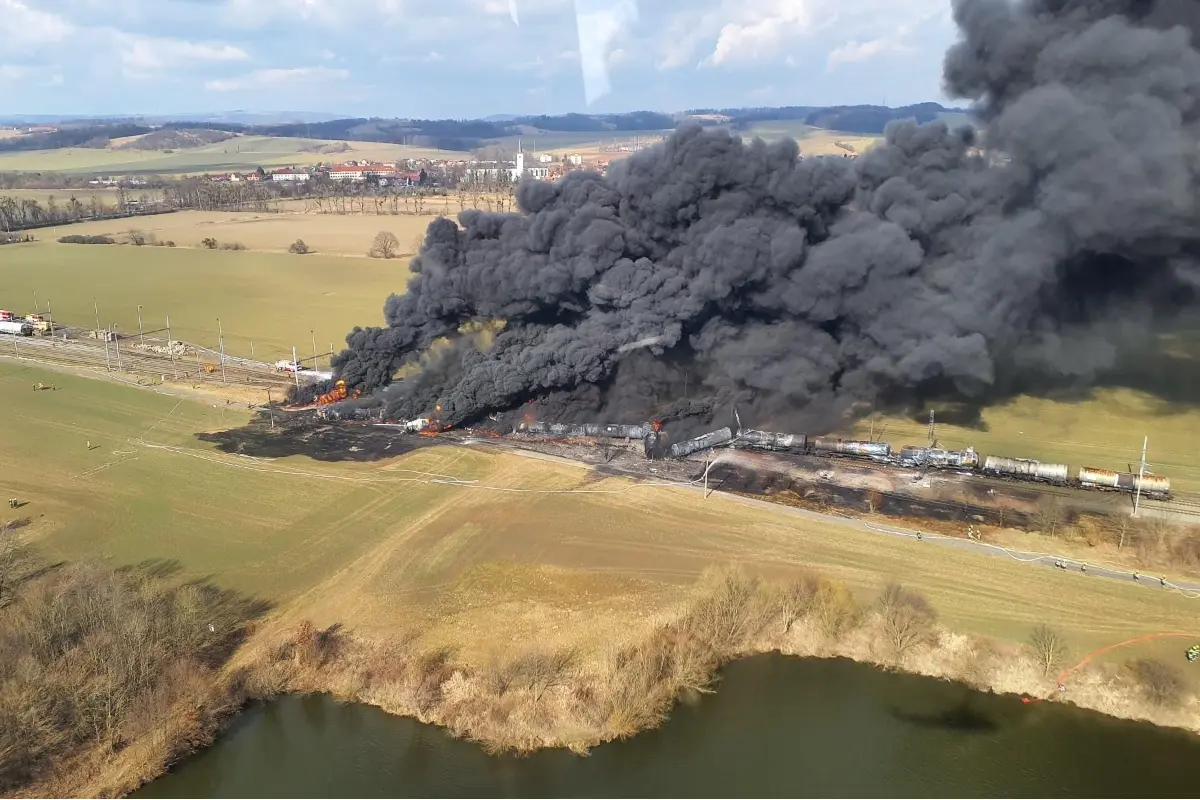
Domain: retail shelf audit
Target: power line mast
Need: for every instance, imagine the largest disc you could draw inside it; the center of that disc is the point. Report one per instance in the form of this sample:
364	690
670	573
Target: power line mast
1137	495
932	440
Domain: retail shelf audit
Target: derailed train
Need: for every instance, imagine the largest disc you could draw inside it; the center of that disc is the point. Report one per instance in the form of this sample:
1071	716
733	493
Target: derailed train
925	458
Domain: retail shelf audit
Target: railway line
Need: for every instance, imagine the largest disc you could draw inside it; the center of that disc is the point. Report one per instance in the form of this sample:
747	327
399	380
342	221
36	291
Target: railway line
73	347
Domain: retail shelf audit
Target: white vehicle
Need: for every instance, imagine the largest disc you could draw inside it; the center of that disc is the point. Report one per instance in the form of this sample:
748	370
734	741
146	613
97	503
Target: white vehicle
14	328
290	366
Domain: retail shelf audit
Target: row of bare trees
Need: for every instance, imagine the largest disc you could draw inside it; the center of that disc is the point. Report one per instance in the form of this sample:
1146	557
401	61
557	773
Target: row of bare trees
96	659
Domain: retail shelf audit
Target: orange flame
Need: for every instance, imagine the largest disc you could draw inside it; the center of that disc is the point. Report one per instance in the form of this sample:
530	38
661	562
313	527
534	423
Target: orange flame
656	424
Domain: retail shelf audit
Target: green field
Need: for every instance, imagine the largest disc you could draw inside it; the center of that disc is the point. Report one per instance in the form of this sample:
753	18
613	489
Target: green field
376	546
239	153
271	299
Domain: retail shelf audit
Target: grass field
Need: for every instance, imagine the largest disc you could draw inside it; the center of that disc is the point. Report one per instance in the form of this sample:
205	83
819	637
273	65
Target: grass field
812	141
379	549
239	153
1104	431
325	234
270	299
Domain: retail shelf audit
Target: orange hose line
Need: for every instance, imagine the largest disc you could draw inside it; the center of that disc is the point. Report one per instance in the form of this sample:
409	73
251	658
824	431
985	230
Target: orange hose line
1088	658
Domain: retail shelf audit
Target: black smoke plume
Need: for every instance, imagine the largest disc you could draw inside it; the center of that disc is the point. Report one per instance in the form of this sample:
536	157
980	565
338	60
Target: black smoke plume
705	272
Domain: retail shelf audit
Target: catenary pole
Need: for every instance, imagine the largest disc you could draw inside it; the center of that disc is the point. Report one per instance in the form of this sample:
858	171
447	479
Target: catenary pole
1137	497
221	340
171	349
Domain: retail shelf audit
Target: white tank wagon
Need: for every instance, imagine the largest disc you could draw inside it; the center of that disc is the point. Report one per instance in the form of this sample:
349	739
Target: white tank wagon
937	458
1151	485
16	328
769	440
705	442
878	451
1026	469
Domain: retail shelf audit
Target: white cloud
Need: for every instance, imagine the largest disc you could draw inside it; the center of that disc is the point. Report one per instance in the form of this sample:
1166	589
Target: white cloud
140	54
763	33
854	51
274	78
23	27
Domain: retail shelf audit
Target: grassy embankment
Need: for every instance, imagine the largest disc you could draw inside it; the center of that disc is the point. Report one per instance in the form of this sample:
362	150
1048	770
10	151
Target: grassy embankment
237	154
520	617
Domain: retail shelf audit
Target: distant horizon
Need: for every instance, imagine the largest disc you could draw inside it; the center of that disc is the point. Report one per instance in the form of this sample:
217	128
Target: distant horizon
315	117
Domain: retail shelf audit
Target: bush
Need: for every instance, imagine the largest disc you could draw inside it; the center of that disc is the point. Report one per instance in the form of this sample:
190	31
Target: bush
299	248
232	246
78	239
208	243
137	238
1160	683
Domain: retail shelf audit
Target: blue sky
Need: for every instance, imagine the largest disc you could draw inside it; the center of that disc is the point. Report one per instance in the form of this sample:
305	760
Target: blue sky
465	58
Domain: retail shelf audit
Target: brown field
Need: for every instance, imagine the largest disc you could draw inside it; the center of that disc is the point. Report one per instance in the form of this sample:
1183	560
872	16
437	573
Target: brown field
326	234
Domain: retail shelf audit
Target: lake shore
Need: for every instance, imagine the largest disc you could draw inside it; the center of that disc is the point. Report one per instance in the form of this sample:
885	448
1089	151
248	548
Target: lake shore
575	700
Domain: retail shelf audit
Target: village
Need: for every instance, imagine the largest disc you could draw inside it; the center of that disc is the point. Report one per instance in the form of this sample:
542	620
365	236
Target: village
420	172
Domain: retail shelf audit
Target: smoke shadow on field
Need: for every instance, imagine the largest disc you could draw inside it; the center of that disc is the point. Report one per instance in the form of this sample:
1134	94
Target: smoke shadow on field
320	441
1170	373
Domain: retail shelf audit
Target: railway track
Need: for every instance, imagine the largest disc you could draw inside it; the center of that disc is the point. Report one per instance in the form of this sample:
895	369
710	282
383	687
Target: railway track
125	357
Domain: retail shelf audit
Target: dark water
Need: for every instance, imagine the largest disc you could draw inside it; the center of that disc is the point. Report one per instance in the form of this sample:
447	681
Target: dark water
776	727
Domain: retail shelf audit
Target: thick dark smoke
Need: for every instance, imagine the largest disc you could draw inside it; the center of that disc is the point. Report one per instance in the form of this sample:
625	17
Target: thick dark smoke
706	272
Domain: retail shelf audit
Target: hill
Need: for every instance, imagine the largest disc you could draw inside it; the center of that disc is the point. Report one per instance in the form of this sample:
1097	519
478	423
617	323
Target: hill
168	139
243	152
551	132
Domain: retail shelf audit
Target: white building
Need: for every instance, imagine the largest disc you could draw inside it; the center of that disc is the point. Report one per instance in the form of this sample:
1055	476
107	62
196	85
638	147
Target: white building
289	175
575	159
545	158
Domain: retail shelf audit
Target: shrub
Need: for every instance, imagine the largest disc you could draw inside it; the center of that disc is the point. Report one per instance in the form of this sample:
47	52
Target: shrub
76	238
298	247
208	243
232	246
1160	683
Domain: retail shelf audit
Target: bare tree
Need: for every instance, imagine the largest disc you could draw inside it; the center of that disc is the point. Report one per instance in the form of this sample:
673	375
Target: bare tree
14	557
797	598
385	245
1160	682
1049	515
539	671
908	618
1048	647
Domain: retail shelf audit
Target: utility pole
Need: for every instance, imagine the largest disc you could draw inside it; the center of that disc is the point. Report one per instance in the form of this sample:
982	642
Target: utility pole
1137	497
331	355
50	316
313	334
931	429
295	368
35	306
141	336
707	456
221	339
270	411
872	438
117	344
171	349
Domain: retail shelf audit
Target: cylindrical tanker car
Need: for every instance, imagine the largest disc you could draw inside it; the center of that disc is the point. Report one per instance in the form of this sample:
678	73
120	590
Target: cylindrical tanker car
15	328
1155	486
937	458
1026	469
769	440
686	448
879	451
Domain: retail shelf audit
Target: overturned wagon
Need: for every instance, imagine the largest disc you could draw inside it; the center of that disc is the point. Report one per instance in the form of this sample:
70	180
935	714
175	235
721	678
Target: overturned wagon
1026	469
705	442
769	440
1151	485
879	451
